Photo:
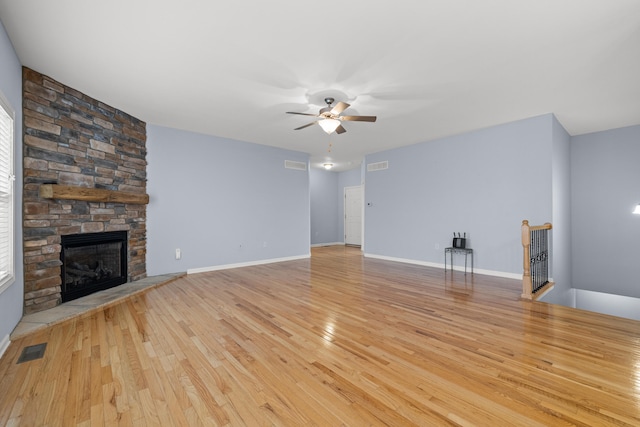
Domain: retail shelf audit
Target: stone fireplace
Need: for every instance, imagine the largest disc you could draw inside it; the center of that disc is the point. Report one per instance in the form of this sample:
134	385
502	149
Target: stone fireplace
92	262
84	173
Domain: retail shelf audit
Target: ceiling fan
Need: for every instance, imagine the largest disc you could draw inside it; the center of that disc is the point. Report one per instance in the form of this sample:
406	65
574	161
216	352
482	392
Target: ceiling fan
331	118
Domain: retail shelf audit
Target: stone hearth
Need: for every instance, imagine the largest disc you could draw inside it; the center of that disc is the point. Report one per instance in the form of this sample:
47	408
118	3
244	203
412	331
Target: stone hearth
73	140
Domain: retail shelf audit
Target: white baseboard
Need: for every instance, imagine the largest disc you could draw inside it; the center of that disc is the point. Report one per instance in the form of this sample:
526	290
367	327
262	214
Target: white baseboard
404	260
503	274
4	344
318	245
246	264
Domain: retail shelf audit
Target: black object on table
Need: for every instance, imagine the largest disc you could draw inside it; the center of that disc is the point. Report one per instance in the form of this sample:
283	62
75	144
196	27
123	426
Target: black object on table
465	251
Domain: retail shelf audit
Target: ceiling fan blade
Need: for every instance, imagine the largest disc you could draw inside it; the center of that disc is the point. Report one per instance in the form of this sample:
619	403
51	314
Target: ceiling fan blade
359	118
306	126
340	129
302	114
339	108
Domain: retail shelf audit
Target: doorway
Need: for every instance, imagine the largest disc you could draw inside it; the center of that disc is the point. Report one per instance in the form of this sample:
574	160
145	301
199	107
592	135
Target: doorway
353	215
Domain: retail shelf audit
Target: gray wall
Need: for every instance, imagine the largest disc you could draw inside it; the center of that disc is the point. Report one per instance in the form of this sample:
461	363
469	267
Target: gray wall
474	183
561	199
324	206
605	187
11	300
222	202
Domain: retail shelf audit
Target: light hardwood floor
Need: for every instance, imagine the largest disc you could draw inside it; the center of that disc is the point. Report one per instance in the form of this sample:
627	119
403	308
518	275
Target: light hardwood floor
335	340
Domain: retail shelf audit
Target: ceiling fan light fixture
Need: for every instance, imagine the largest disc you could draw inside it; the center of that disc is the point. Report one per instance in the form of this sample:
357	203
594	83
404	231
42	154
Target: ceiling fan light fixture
329	125
331	117
328	166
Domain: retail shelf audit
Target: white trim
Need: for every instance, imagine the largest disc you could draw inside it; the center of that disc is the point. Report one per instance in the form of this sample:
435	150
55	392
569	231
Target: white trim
317	245
246	264
344	211
503	274
9	279
364	212
574	297
404	260
605	303
4	344
7	284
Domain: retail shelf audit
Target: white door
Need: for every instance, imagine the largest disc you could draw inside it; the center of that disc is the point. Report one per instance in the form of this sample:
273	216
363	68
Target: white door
353	215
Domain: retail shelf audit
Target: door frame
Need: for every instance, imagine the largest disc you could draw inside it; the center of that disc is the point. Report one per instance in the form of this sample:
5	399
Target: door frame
344	215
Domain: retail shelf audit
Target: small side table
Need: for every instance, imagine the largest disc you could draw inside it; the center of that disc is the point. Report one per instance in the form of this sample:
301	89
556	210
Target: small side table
465	251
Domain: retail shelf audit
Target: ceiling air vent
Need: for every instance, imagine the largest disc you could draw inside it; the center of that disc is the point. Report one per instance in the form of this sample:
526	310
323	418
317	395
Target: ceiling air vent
290	164
379	166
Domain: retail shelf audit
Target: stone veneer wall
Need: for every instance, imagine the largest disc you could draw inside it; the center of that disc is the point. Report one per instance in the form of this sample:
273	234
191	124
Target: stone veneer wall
72	139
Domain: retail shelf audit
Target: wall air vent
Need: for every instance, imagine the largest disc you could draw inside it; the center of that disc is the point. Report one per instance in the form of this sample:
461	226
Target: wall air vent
290	164
379	166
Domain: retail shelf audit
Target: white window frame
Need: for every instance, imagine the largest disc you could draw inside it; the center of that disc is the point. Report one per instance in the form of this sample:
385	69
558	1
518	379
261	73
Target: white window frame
8	277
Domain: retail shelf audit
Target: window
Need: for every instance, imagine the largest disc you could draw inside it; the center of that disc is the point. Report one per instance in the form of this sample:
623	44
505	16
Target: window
6	194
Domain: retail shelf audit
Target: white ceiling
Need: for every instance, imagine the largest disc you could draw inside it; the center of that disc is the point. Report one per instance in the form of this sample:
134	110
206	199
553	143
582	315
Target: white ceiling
427	69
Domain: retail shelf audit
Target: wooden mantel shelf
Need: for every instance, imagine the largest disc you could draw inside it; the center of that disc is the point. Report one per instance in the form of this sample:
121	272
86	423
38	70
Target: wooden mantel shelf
68	192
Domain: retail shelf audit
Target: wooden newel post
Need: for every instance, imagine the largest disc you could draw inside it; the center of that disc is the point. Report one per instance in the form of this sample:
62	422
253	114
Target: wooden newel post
526	260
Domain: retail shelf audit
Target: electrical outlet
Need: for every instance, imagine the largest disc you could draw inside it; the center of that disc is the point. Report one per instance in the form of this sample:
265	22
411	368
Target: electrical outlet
178	253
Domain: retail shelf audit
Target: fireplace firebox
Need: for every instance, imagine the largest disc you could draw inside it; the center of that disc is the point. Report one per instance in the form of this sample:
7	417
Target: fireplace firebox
92	262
